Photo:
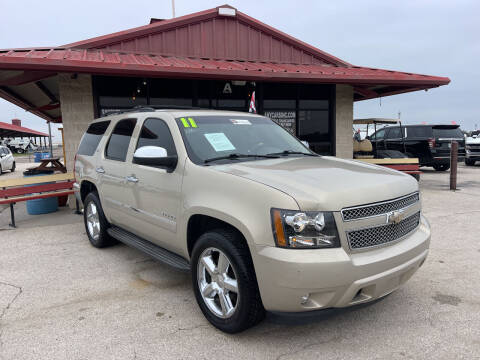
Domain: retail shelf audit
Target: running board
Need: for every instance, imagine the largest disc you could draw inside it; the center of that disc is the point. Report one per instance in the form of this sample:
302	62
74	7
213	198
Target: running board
149	248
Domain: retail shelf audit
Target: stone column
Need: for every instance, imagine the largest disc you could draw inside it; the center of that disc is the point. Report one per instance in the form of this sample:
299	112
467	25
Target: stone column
344	121
76	101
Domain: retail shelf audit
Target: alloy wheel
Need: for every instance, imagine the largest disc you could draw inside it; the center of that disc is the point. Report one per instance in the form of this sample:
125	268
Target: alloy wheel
217	282
93	221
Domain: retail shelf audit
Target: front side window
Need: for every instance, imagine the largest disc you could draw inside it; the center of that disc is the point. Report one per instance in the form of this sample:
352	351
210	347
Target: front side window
92	137
238	138
380	134
155	132
117	147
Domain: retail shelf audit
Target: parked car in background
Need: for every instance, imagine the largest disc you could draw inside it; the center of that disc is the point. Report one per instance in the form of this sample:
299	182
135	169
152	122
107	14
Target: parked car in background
21	146
472	150
429	143
262	222
7	162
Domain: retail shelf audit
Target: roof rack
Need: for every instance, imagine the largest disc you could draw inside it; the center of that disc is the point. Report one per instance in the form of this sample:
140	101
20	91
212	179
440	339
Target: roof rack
148	108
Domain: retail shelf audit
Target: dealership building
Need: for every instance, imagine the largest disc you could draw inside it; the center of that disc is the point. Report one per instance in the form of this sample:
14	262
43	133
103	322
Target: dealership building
211	59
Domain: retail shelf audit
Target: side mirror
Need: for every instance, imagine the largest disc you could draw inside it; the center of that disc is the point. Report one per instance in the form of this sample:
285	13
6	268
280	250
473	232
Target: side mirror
155	156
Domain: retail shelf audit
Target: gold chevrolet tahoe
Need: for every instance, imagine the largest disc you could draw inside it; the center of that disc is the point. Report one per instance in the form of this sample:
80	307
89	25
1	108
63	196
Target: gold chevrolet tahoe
261	222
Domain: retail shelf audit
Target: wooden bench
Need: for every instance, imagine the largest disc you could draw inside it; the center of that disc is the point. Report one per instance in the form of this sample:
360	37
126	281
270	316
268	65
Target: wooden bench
41	187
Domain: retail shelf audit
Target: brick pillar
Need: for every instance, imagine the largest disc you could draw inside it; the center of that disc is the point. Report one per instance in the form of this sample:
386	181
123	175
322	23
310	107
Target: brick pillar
344	121
76	100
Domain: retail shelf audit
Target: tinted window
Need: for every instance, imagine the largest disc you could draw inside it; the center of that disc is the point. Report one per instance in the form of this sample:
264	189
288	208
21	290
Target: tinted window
379	134
419	132
117	147
155	132
394	133
447	133
92	137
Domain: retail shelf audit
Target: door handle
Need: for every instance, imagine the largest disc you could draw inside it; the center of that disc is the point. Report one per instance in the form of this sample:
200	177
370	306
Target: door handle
100	170
132	179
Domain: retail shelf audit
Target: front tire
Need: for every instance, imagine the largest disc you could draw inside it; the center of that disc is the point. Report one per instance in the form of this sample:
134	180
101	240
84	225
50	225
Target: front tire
224	281
19	151
96	224
441	167
13	167
469	162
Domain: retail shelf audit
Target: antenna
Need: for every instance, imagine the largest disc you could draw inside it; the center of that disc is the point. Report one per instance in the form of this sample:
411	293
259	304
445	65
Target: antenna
173	8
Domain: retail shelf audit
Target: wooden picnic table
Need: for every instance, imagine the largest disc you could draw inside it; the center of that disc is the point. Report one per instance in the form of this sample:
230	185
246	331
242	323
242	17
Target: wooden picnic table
51	164
40	187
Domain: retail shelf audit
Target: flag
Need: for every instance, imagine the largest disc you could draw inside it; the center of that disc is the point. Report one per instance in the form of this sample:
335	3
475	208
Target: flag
252	107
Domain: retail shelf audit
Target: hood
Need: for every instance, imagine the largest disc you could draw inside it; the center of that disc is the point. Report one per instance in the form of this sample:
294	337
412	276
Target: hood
325	183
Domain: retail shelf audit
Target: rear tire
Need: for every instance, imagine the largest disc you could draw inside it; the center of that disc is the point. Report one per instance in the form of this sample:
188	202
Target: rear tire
19	151
1	170
469	162
96	224
228	295
441	167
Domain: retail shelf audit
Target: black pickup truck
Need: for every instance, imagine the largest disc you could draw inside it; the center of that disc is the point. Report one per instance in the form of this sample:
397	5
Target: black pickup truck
429	143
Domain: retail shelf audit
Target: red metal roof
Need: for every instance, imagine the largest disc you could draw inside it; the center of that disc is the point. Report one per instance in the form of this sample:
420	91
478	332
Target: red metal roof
207	34
23	131
123	63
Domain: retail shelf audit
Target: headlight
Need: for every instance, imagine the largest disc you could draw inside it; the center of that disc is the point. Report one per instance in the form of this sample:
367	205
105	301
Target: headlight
304	229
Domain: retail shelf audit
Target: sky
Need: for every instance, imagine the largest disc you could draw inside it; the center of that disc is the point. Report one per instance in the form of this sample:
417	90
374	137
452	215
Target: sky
433	37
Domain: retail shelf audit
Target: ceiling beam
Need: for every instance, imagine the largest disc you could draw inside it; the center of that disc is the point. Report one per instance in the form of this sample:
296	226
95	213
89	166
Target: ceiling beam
16	99
365	92
26	77
47	92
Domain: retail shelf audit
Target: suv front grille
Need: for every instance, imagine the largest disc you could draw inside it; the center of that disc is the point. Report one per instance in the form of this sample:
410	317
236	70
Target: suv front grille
366	211
383	234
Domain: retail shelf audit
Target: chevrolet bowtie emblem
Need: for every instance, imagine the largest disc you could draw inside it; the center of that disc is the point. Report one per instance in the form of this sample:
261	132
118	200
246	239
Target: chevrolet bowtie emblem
394	217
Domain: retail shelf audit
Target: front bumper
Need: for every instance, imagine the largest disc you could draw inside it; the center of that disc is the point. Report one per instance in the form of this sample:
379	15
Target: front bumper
472	155
302	280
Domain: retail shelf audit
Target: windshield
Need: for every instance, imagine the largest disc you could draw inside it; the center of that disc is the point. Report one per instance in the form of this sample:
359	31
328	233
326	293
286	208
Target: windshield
233	138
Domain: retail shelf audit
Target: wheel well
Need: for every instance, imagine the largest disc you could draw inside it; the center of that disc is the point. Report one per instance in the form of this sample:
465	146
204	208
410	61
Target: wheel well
86	188
200	224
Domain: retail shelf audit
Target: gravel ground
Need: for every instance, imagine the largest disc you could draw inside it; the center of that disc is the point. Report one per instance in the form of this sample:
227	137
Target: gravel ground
60	298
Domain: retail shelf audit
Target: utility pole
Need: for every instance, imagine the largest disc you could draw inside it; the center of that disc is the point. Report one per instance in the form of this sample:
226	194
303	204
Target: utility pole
173	8
50	138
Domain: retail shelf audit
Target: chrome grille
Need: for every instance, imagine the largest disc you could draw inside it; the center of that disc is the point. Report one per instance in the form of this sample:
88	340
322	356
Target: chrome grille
365	211
383	234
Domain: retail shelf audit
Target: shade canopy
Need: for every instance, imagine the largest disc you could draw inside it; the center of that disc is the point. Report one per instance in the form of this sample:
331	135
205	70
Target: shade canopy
11	130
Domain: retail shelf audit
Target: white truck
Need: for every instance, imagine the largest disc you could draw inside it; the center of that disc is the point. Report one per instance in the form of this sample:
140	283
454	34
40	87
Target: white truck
21	146
472	150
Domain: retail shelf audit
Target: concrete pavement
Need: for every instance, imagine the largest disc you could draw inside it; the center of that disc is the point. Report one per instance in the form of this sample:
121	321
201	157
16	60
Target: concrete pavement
60	298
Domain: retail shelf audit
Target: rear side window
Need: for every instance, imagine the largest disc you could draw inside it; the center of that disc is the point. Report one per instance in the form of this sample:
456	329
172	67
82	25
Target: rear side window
155	132
117	147
419	132
92	137
447	133
394	133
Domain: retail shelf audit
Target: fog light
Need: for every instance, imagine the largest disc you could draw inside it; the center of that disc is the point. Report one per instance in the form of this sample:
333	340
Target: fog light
304	299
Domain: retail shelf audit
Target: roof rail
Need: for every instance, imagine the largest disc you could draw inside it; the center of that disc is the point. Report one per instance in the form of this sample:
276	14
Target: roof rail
148	108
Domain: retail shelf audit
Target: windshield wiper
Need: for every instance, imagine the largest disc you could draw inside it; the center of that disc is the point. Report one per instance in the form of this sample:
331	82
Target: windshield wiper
235	156
289	152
